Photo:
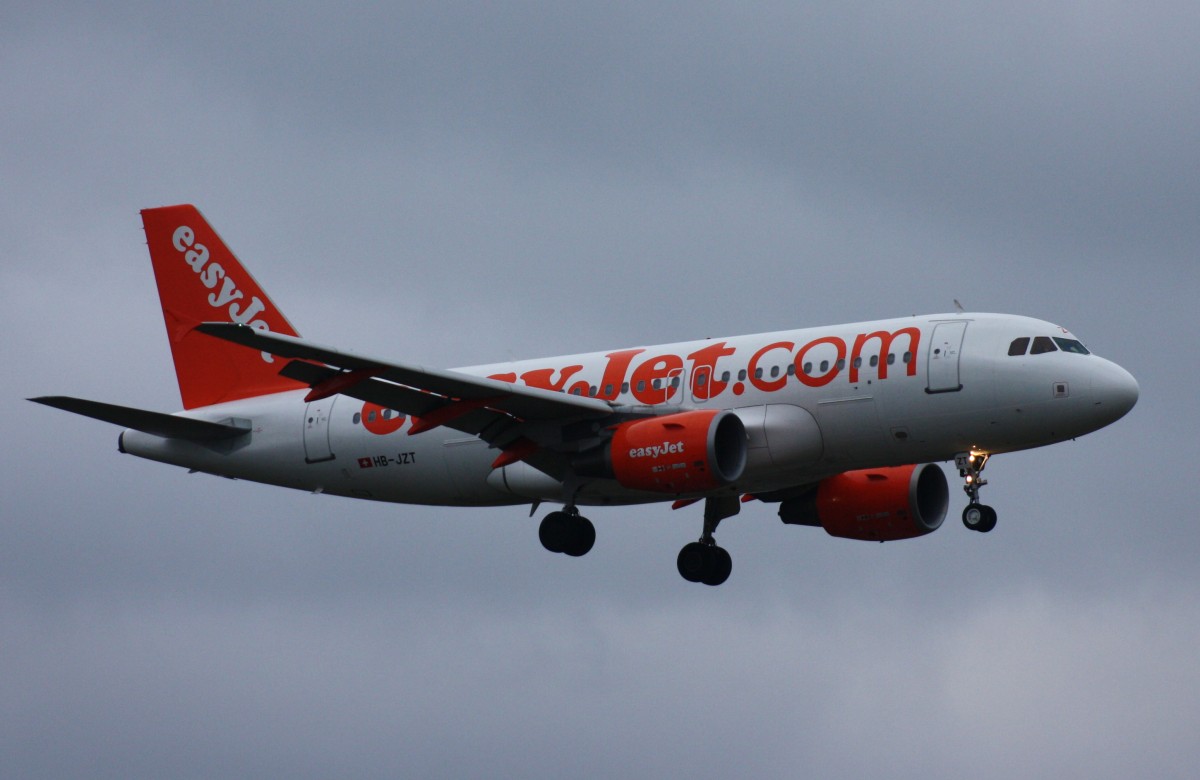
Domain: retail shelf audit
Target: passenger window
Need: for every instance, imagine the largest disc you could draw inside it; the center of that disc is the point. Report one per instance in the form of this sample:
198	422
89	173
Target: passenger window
841	364
891	361
742	375
907	358
758	373
874	361
1071	345
774	371
857	362
1043	344
608	389
791	369
1019	346
656	384
624	387
824	366
808	368
641	386
357	418
725	377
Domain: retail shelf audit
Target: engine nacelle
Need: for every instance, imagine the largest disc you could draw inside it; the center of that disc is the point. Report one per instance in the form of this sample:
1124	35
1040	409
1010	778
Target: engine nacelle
686	452
875	505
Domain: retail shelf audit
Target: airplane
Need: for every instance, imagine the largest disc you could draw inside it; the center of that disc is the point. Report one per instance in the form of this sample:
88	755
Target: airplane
841	427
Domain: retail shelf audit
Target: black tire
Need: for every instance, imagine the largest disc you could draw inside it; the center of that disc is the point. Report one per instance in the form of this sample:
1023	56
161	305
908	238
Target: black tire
720	568
972	516
693	562
989	519
979	517
580	536
554	531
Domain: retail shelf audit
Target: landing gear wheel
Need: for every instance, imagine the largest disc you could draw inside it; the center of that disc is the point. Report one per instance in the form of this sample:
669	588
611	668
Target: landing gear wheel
979	517
567	532
972	516
705	563
722	565
581	535
553	532
692	561
989	519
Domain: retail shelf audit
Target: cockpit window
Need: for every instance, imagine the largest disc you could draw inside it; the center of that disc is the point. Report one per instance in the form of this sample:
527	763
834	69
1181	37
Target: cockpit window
1019	346
1042	344
1071	345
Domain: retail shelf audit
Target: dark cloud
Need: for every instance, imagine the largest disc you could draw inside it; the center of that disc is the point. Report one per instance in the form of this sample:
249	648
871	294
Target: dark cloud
456	185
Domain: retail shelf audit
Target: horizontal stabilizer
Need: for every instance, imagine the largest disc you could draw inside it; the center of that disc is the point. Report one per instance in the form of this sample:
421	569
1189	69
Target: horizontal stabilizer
155	423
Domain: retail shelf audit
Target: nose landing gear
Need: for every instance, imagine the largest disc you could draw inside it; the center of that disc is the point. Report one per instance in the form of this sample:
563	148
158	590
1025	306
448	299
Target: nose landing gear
977	516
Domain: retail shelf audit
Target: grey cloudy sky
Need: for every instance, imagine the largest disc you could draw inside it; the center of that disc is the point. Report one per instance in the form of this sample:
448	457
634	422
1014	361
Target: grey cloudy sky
454	184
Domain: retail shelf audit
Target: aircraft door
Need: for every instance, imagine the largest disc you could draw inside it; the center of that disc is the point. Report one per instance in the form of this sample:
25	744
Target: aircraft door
316	430
702	377
944	348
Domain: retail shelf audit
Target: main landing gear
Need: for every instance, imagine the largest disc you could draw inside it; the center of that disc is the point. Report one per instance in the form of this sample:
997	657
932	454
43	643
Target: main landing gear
977	516
567	532
704	561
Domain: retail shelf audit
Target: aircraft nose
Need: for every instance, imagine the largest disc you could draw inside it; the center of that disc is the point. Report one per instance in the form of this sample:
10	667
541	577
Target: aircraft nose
1114	390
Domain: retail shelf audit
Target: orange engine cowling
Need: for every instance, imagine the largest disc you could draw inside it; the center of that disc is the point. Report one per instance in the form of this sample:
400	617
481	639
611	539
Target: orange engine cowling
876	505
678	453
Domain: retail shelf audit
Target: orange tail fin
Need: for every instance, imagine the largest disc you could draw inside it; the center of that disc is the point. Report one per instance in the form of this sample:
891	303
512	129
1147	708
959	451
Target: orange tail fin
199	280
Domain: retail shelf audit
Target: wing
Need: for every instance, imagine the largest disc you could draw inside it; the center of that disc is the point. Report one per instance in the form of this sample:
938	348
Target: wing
526	423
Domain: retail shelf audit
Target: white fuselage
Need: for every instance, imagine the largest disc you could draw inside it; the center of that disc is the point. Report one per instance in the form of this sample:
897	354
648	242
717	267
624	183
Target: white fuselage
815	401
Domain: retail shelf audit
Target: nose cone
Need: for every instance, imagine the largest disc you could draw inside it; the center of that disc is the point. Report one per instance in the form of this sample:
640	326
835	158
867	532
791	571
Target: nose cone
1114	391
